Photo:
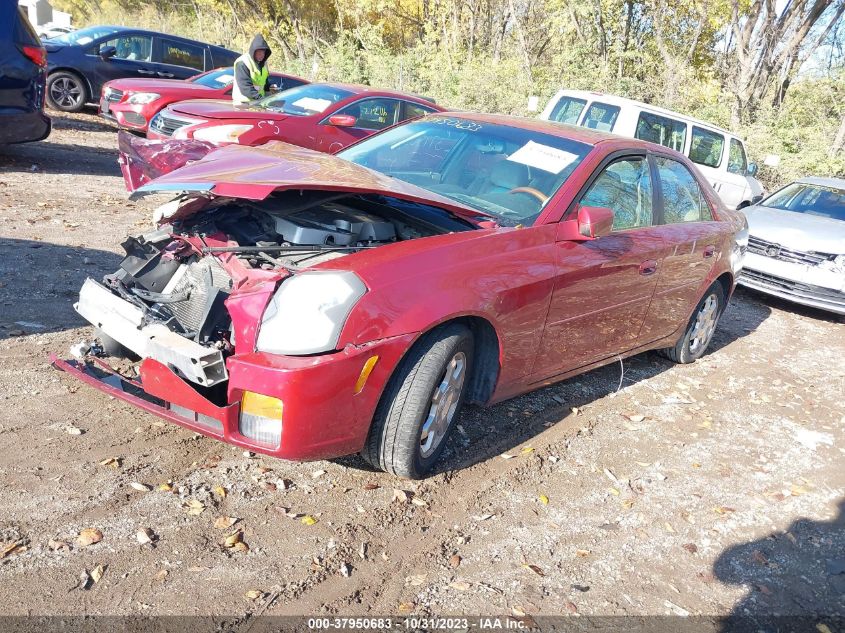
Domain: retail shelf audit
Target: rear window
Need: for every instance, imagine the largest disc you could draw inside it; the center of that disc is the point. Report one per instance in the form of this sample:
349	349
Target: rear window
182	54
706	147
737	164
24	33
567	110
661	130
601	116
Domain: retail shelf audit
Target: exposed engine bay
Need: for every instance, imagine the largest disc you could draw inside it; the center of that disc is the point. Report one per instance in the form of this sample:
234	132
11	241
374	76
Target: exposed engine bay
167	298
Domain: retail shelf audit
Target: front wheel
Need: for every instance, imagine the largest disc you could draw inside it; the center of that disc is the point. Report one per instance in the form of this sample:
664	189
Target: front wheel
418	408
66	92
701	327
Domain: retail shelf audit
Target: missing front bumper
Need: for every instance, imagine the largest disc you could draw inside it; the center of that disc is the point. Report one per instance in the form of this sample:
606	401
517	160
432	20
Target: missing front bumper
124	322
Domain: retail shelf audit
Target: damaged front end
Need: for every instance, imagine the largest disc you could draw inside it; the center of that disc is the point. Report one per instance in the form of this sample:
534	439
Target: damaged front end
189	299
143	160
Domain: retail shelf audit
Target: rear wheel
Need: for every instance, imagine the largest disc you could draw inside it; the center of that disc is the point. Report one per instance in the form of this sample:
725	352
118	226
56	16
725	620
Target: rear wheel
418	408
66	92
701	327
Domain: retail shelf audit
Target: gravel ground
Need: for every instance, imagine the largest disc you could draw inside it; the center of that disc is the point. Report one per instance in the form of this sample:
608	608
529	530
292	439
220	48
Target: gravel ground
645	488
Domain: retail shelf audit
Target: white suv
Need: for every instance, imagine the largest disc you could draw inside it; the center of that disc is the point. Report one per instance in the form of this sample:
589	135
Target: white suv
719	154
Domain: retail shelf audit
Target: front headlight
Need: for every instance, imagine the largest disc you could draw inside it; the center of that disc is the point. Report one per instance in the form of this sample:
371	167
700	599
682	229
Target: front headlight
308	311
141	98
221	133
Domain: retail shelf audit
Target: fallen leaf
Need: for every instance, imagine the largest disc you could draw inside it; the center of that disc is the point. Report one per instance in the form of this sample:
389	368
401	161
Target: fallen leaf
97	573
583	553
576	410
89	536
544	500
241	547
507	456
371	486
455	561
692	548
161	575
759	557
14	547
796	490
417	579
405	607
231	540
635	418
194	507
570	606
222	523
613	491
669	528
220	491
419	502
527	449
114	462
821	627
460	585
723	510
140	487
317	473
145	536
308	520
165	487
253	594
402	496
628	503
535	569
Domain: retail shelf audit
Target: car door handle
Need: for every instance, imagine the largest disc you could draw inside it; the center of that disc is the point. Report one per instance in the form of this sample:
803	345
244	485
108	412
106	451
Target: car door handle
710	251
648	267
141	71
167	75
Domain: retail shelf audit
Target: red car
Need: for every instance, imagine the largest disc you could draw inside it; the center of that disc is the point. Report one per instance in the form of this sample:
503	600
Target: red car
325	117
308	305
132	103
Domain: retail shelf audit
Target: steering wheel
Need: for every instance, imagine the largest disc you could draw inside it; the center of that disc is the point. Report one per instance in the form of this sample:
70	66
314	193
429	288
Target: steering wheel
531	191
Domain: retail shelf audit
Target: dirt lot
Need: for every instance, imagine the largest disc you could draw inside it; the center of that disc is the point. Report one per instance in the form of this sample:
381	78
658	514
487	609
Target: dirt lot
715	488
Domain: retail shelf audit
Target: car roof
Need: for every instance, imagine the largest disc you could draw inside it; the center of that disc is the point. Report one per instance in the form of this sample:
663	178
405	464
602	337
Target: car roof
123	29
383	92
836	183
617	100
553	128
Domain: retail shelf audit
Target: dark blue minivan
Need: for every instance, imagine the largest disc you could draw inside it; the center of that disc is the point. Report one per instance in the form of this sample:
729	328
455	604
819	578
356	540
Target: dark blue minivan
79	63
23	64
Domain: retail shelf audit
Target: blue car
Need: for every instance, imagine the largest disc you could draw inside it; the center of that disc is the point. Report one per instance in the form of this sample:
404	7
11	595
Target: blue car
23	64
79	63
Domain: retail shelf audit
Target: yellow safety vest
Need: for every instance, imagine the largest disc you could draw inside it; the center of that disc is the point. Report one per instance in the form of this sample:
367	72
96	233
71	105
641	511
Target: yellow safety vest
257	75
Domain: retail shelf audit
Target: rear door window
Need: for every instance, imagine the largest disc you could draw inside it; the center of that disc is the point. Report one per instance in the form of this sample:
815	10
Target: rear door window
182	54
625	187
413	110
661	130
601	116
706	147
683	200
737	164
567	110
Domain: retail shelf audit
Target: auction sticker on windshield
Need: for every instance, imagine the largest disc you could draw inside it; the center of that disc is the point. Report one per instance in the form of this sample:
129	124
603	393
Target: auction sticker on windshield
310	103
550	159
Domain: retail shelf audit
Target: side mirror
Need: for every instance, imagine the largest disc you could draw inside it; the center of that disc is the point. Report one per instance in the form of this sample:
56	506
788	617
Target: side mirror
107	51
342	120
752	169
590	223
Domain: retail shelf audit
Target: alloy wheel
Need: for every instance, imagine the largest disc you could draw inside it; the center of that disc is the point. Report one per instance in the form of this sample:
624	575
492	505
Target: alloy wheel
705	324
444	403
65	92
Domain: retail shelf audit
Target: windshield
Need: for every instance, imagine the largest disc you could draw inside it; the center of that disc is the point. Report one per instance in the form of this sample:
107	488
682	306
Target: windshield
84	36
825	201
505	171
219	78
304	100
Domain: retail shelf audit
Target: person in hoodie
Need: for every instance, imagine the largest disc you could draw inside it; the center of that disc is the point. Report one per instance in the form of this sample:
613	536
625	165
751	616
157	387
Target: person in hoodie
252	73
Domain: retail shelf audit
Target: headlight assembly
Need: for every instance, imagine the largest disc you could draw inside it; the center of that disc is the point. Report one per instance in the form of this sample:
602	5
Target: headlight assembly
308	311
141	98
221	133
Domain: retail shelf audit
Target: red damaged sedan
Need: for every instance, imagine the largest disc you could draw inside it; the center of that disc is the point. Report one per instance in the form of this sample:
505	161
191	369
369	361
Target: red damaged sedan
325	117
132	103
307	305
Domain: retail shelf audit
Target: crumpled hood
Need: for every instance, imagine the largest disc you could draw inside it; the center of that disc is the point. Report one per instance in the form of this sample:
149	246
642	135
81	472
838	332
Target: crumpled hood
796	231
254	173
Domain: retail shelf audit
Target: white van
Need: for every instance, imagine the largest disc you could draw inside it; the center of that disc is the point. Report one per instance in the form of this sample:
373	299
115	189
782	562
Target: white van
718	154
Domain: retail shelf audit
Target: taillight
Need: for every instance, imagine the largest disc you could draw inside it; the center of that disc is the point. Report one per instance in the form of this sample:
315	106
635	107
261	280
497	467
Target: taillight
36	54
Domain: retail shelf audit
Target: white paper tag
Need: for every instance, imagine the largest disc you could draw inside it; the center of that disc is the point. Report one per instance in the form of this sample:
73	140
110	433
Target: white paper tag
550	159
225	80
310	103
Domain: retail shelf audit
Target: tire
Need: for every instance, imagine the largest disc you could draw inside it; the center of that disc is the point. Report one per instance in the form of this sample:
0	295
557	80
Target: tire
692	345
66	92
410	429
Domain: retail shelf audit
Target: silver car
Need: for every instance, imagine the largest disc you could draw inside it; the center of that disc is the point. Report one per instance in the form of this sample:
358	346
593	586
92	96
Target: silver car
796	244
